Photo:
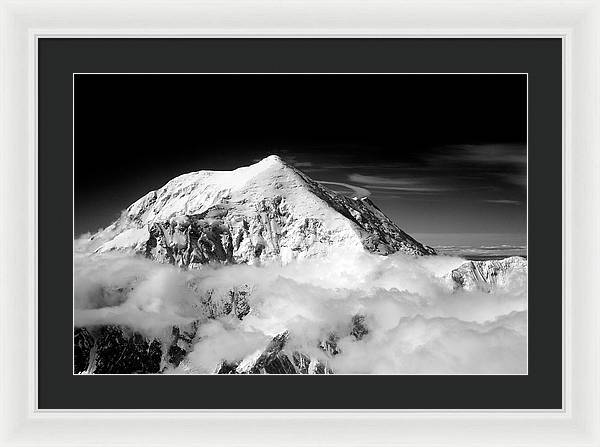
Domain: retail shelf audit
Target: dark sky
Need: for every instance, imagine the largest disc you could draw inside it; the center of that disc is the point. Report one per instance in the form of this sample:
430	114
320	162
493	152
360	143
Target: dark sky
438	153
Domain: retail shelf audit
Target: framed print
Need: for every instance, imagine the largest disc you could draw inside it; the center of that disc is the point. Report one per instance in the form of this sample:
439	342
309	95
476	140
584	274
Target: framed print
320	237
283	253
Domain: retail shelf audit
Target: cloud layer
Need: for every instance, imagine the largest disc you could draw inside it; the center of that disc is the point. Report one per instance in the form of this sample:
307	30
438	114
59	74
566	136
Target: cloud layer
417	322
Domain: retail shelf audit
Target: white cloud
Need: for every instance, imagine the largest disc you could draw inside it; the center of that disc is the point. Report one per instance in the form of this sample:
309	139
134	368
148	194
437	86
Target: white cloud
220	341
412	185
302	164
357	190
416	322
377	180
504	201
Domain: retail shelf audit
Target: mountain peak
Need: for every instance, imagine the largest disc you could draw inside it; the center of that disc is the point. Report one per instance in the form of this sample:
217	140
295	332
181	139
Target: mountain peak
272	160
272	164
263	212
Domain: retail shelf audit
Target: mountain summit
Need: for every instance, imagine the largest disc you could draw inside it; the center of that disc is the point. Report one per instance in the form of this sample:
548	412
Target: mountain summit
269	211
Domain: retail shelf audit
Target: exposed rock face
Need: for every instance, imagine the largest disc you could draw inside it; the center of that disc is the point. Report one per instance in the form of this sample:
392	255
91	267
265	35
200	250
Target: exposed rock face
218	302
115	350
83	344
266	212
111	349
272	360
359	327
181	344
487	275
277	359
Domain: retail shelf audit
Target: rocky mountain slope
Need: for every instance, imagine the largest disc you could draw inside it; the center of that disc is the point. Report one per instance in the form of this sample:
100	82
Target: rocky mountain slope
269	211
118	349
487	275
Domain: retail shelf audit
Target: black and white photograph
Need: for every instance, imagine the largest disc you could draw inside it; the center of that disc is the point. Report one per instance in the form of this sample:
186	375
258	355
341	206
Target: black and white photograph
300	224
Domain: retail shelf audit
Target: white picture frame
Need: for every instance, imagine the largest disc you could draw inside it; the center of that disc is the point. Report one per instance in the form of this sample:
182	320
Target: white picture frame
577	23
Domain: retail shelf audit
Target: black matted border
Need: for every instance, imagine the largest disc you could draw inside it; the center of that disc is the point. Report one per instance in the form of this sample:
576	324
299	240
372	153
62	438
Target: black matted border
59	58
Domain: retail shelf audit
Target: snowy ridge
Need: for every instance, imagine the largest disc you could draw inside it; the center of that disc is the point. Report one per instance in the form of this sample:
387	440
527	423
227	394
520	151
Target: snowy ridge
268	211
488	275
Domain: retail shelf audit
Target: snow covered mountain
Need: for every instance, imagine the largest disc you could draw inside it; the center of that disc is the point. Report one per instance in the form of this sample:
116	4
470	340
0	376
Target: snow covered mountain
269	211
488	275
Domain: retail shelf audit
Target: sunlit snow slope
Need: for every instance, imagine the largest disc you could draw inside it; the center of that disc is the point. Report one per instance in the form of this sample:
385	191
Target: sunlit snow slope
269	211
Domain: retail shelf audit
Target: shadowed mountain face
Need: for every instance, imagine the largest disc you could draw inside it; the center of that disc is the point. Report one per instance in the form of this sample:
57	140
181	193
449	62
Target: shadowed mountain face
265	212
